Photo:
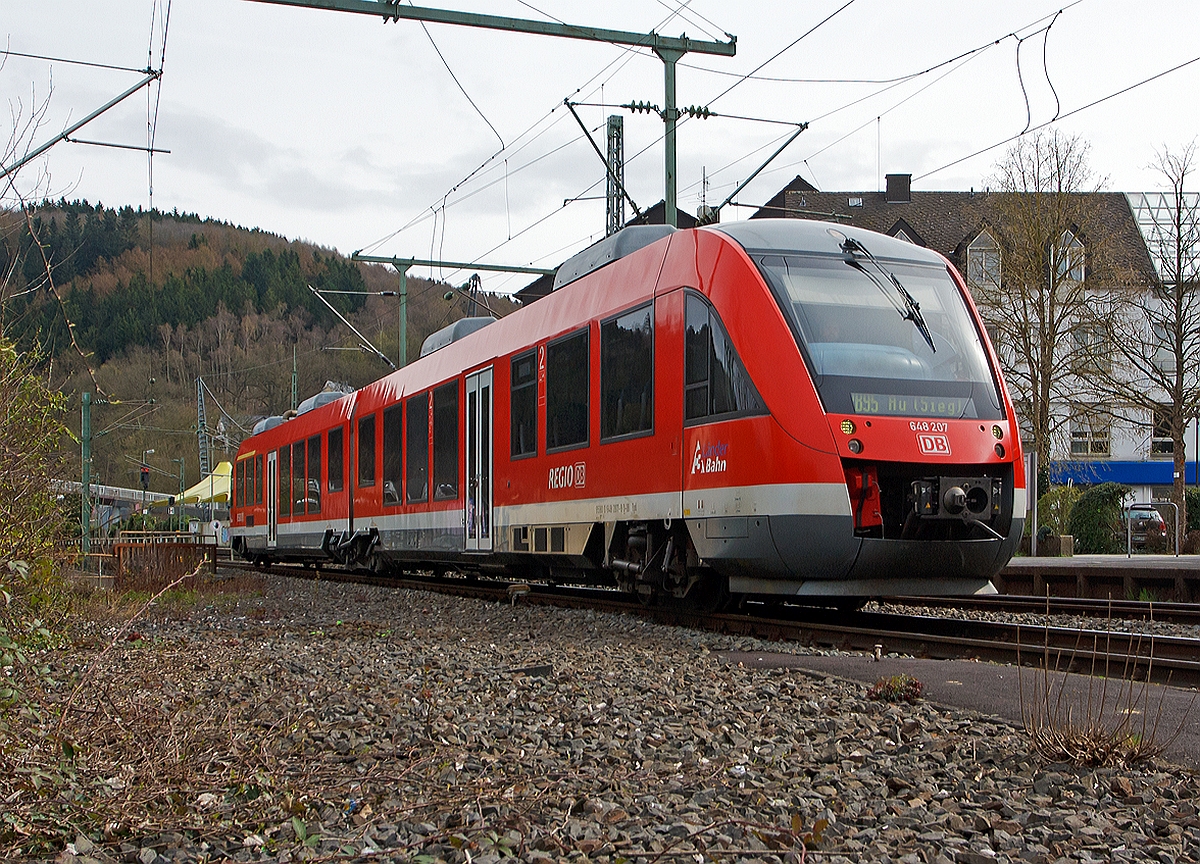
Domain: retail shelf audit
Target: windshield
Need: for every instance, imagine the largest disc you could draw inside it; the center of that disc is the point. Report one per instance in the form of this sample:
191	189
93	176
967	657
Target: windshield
869	353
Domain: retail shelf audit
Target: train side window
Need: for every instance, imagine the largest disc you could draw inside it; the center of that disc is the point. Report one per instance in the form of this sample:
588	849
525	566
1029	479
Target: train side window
567	384
239	484
314	474
627	374
445	441
258	479
416	452
715	381
393	466
366	451
284	468
335	458
524	404
298	494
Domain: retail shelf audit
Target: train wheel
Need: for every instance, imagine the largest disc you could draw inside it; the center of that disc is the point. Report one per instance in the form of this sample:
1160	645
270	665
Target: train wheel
709	594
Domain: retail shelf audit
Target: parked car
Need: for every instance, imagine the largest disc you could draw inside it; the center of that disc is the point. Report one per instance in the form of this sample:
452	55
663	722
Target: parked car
1146	525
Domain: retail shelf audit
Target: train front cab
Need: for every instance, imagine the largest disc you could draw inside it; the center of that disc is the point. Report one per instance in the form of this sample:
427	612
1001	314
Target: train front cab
895	429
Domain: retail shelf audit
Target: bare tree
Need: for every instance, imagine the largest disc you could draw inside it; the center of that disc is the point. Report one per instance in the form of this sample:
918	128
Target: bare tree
1052	251
1156	328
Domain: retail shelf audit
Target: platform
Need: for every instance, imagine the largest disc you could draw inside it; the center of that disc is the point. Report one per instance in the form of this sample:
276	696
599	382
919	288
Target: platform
1137	577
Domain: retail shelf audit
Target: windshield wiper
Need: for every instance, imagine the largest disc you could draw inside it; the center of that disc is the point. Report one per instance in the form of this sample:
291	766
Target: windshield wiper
911	309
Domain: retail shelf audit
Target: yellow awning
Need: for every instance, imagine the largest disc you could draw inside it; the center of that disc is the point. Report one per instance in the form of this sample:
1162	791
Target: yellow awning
214	488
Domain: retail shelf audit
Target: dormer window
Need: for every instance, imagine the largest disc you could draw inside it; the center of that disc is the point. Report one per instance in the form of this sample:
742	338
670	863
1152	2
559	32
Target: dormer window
983	263
900	235
1069	258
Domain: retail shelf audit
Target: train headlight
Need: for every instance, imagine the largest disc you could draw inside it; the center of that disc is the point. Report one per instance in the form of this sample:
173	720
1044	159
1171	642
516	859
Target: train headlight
854	445
1000	450
848	427
997	432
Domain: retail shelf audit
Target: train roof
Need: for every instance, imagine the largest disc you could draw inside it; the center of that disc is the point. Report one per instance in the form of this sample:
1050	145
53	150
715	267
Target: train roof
610	249
821	238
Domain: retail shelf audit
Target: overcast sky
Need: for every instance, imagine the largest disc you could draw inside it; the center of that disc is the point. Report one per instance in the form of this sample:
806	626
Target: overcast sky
353	134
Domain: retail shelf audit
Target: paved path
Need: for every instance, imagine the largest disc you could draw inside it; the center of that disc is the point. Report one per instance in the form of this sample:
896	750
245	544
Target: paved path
991	688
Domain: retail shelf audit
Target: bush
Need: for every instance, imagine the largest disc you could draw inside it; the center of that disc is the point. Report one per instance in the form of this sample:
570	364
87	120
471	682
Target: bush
1191	497
1095	520
1054	509
30	431
1191	543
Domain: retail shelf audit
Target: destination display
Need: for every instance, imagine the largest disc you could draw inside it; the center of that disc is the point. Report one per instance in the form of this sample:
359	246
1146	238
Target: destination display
908	405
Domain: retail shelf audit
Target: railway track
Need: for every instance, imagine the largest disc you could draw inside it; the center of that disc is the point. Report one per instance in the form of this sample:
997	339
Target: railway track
1135	610
1120	654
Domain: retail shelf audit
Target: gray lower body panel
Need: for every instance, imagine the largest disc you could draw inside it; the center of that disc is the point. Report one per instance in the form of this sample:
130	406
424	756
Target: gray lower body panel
817	555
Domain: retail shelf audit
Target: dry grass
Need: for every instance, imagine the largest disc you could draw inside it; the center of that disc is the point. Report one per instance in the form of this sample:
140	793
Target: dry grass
1112	721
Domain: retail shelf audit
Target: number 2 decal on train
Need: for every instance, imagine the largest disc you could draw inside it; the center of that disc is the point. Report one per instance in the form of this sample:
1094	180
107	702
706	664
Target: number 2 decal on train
933	445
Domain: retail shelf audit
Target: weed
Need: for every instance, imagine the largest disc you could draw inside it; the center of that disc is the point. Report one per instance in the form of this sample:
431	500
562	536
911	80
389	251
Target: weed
1095	726
897	688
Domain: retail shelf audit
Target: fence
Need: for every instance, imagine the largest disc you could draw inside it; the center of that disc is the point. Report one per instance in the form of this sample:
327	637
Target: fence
148	560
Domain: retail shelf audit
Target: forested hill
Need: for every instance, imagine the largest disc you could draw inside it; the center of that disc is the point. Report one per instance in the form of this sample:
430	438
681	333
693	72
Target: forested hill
119	294
157	300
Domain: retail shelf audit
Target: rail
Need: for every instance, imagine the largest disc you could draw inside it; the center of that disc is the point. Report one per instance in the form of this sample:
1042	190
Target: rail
1082	650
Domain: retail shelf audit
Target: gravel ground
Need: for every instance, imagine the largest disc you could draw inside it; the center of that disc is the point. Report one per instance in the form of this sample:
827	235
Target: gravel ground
327	722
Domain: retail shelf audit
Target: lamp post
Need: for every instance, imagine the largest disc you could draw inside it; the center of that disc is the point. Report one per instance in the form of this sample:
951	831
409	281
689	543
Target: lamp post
145	482
179	500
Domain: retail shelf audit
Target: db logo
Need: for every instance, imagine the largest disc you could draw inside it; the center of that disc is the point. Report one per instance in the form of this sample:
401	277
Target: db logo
933	445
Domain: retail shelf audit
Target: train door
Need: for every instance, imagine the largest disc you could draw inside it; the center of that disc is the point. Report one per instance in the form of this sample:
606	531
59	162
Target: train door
272	500
478	515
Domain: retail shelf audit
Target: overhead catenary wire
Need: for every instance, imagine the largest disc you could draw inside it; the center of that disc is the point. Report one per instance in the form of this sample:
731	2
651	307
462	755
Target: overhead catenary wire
451	200
957	62
628	53
1058	117
9	53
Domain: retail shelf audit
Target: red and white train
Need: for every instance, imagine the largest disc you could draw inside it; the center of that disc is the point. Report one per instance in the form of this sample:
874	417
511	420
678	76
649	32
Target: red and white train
770	407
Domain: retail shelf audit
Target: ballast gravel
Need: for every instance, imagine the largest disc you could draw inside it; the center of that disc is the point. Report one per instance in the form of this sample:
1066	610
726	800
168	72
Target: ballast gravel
340	722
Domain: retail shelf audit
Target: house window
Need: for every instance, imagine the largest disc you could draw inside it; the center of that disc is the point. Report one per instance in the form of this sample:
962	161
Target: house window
1164	352
524	404
1092	349
715	381
900	235
1069	256
567	378
1162	444
1090	436
983	263
627	374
